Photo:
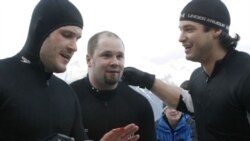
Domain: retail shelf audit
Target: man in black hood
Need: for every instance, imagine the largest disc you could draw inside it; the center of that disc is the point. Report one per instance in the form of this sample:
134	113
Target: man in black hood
35	104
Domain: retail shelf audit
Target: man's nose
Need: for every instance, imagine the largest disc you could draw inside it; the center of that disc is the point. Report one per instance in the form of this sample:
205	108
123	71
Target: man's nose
73	45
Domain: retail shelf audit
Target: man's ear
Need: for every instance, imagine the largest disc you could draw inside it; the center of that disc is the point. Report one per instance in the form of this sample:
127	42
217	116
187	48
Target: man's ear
89	60
217	33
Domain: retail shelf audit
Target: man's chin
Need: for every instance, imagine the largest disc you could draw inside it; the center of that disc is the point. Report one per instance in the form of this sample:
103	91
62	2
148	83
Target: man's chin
112	81
60	70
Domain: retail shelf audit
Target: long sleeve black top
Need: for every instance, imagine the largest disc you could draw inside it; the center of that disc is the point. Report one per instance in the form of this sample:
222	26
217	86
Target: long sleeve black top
222	101
105	110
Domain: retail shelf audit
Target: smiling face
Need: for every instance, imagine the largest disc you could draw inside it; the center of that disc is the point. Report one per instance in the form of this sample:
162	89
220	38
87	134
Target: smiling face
106	63
197	42
173	115
59	47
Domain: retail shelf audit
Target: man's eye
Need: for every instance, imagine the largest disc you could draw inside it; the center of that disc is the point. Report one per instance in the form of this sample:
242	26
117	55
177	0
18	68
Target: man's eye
106	55
67	35
120	56
189	29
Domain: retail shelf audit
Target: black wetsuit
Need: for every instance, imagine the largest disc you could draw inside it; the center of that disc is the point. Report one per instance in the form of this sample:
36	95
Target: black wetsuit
34	104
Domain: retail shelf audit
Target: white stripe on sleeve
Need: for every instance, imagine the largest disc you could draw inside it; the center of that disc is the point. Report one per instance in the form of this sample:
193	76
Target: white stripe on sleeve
187	99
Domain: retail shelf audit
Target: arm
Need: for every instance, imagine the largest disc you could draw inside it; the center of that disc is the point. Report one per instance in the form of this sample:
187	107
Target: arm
172	95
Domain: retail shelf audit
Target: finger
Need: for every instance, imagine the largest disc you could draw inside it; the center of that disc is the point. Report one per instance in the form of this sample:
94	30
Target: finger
133	138
126	133
130	130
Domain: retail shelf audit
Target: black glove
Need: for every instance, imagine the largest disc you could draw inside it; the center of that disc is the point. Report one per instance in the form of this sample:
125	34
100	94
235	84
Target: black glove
135	77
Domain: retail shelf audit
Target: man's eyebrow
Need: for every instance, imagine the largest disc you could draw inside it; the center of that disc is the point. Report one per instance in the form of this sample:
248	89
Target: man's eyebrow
71	32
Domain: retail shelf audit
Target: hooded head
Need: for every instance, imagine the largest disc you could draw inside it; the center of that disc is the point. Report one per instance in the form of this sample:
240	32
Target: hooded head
48	16
211	13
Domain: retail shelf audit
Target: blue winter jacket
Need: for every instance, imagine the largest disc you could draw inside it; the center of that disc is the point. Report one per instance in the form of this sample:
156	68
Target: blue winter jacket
182	132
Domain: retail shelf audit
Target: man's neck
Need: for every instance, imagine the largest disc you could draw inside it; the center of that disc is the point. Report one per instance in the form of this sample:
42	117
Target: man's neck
209	64
101	87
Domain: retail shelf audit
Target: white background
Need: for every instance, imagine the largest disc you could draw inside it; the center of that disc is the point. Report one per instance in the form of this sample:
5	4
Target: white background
149	29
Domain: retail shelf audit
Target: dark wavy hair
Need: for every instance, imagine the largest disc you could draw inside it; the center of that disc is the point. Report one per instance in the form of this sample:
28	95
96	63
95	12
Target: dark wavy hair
225	39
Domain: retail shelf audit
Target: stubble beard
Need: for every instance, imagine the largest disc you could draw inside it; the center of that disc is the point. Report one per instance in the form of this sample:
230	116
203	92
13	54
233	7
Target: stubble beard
111	80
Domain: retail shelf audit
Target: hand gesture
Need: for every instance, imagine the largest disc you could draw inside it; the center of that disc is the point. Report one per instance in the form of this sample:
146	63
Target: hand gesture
126	133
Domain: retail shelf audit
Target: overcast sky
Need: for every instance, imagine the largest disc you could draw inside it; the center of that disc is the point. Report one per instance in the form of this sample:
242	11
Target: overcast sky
149	29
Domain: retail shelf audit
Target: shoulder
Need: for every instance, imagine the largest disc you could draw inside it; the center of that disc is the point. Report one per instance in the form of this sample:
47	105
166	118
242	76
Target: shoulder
134	97
122	86
197	71
8	63
131	91
11	70
241	54
235	56
80	87
78	83
56	79
197	75
59	83
239	60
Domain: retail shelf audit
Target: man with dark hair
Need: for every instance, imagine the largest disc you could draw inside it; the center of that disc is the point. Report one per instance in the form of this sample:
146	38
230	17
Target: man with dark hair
219	89
106	102
35	105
